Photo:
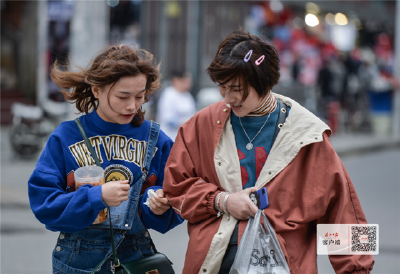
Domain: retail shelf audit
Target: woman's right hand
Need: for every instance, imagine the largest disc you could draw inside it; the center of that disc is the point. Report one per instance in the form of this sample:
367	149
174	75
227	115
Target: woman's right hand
114	193
239	204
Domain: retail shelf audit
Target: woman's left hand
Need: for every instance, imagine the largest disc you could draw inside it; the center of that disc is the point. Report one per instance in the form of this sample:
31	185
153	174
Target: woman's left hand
159	204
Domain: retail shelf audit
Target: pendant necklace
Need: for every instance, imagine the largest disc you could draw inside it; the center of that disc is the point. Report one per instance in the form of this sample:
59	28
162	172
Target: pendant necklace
249	146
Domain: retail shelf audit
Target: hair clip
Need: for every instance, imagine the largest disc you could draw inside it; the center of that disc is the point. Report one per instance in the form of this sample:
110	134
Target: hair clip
248	55
120	46
259	60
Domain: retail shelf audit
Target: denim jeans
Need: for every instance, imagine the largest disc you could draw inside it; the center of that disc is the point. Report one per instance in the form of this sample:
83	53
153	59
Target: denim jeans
74	255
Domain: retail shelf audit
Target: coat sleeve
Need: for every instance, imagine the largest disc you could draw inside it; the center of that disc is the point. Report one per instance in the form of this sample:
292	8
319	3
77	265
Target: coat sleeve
189	192
344	207
169	219
51	204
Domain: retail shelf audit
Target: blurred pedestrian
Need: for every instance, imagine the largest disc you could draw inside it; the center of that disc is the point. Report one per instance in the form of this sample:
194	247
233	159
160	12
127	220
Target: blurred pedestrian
110	92
325	79
228	150
176	105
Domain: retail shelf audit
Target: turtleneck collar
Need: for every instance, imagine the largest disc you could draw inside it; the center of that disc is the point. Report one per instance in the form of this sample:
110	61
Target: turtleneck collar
268	106
106	126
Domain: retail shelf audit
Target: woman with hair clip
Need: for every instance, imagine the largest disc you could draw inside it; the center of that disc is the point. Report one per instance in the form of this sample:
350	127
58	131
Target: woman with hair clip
110	92
255	138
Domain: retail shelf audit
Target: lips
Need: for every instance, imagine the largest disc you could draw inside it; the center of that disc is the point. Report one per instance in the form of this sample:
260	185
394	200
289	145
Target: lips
127	116
236	107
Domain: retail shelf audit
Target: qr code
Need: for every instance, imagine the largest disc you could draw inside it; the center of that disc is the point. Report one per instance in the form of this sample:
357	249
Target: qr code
363	238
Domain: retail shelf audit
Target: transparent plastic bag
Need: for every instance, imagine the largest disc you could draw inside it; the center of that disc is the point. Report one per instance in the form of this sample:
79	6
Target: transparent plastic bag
259	251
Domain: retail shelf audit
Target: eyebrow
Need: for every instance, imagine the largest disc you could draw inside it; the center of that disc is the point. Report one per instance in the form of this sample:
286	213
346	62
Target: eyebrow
231	86
128	93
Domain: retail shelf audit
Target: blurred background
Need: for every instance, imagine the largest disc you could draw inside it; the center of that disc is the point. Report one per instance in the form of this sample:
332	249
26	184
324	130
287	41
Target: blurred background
339	59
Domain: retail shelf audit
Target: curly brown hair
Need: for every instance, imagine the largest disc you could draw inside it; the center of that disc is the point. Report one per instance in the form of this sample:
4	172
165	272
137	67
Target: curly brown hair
107	68
229	64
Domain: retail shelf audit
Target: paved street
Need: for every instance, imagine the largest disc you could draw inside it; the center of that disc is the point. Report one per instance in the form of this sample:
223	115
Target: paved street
26	246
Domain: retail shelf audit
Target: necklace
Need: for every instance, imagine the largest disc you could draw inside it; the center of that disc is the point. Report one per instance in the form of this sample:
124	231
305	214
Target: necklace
249	146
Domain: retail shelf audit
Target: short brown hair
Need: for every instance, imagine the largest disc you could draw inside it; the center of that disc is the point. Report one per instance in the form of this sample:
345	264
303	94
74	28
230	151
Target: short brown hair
229	64
107	67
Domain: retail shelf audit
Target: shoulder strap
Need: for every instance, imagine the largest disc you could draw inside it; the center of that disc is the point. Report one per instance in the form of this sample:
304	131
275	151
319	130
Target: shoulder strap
151	145
88	143
71	184
283	113
94	155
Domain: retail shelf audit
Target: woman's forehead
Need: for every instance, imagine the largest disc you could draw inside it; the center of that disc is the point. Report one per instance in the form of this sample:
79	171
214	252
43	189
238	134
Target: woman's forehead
128	81
235	82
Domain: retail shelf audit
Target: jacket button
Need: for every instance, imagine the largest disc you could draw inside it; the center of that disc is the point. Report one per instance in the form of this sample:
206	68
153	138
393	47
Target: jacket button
218	122
301	143
270	173
225	110
126	225
146	234
62	236
219	163
204	270
58	248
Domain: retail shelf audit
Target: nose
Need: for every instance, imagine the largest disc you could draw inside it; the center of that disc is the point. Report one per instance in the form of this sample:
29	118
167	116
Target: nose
229	99
131	107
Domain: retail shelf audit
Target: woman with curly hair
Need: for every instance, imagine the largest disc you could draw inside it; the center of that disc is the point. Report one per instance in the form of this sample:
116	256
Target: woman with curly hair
110	93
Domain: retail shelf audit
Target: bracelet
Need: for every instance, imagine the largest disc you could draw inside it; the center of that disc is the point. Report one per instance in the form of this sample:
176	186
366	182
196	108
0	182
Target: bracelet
224	205
220	212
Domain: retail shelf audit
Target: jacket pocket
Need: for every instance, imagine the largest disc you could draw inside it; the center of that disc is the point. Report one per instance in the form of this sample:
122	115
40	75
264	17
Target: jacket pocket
293	268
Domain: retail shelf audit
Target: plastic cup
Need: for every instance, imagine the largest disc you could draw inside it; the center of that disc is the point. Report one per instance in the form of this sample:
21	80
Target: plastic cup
93	175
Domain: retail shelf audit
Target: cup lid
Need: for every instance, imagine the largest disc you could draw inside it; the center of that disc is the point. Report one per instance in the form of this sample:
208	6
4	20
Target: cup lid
88	174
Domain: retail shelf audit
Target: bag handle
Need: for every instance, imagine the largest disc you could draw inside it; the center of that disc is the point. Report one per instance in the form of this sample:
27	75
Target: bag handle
154	132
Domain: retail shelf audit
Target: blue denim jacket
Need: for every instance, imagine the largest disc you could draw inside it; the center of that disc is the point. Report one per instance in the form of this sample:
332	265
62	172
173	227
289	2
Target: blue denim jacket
81	252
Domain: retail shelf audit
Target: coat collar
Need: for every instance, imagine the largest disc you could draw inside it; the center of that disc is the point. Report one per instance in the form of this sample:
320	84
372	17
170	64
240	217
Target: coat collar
301	128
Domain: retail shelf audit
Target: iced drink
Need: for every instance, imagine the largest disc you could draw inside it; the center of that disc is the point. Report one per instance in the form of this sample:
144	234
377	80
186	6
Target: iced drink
93	175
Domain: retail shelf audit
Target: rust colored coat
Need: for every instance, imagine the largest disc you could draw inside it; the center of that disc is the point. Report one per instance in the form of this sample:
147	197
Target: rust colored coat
306	181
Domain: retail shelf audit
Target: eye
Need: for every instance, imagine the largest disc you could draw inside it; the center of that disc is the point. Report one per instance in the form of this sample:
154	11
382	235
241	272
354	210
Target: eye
140	97
123	98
